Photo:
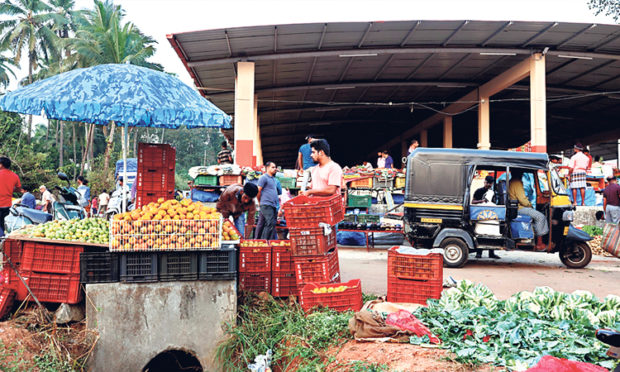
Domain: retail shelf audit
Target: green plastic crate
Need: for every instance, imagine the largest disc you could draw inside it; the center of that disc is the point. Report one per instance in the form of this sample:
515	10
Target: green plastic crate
205	180
288	182
359	201
368	218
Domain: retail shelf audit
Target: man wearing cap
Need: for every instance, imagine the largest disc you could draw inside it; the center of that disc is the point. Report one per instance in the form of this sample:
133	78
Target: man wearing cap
577	165
235	201
305	161
611	201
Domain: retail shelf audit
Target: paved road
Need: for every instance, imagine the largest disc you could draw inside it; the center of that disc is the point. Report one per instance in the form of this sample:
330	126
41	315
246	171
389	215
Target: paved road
516	271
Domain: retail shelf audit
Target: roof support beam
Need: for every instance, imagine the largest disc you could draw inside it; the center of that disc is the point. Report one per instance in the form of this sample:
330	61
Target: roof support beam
458	29
577	34
495	85
356	84
417	24
359	45
345	52
502	28
539	34
573	78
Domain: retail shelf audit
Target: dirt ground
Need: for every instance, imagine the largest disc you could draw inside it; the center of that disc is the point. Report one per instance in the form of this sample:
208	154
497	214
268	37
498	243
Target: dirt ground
516	271
399	358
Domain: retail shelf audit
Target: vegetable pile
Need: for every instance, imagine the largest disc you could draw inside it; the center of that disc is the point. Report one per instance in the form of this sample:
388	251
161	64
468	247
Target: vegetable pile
90	230
516	332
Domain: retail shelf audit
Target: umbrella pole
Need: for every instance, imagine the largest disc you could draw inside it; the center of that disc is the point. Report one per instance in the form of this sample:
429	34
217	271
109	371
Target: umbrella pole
125	180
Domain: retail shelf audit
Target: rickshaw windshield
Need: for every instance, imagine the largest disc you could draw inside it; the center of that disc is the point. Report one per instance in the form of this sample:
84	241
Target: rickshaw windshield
557	184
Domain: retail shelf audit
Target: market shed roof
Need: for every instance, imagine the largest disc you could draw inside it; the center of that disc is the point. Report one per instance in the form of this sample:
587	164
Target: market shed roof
338	79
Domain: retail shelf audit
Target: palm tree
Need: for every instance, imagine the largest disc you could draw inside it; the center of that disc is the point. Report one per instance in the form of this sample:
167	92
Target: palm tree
102	38
6	65
26	28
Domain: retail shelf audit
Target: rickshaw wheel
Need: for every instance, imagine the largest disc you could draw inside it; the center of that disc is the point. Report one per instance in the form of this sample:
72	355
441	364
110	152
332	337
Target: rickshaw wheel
455	252
576	255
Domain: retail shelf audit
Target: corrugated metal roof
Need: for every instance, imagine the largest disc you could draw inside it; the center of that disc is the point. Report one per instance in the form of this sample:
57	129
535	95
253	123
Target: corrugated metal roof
302	72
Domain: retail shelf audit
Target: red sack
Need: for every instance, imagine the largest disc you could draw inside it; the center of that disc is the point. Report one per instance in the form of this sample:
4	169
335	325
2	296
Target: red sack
549	363
405	320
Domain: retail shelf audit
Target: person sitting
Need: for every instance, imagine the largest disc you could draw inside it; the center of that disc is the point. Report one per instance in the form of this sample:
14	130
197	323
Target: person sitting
517	192
28	199
485	193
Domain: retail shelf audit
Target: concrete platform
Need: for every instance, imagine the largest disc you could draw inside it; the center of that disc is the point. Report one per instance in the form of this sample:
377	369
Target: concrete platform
137	321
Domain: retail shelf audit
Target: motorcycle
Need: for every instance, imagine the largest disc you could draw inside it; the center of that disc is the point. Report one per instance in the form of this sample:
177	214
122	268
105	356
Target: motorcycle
21	215
70	201
115	205
611	338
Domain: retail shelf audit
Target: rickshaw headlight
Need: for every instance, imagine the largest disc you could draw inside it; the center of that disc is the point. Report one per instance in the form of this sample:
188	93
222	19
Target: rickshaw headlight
568	216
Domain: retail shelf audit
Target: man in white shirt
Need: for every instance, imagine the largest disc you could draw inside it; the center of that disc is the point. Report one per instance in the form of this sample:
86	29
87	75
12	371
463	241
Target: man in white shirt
47	198
104	199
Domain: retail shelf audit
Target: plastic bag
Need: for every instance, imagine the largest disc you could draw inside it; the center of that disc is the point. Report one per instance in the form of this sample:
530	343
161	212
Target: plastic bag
549	363
261	363
405	320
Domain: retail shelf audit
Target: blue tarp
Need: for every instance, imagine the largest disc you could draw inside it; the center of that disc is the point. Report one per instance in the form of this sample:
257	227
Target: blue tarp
204	196
350	238
590	196
132	166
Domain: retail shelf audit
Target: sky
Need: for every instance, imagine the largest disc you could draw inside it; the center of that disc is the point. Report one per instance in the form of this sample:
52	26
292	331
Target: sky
157	18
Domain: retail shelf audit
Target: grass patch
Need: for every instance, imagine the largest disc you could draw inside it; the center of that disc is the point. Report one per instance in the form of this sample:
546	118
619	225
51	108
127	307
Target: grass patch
297	340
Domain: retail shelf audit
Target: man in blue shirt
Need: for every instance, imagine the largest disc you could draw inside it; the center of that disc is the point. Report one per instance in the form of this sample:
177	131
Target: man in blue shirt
304	161
28	199
268	199
389	162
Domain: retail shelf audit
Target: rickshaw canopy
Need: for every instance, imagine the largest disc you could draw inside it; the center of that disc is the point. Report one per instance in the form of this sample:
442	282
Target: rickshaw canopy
442	175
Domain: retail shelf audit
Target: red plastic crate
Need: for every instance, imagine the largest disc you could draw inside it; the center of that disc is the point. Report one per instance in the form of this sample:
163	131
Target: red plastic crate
304	211
254	258
51	287
283	284
227	180
365	183
255	282
12	249
9	278
349	299
51	258
413	291
317	269
281	257
412	266
310	241
6	301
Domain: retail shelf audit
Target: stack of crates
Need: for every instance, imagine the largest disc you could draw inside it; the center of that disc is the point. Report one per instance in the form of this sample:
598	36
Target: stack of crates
156	168
267	266
414	278
312	226
51	270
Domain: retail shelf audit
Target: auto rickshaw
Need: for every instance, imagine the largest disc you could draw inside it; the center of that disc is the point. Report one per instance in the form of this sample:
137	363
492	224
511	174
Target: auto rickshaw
439	213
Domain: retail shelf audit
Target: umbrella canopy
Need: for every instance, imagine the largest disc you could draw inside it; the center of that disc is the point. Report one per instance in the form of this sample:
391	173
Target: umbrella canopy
126	94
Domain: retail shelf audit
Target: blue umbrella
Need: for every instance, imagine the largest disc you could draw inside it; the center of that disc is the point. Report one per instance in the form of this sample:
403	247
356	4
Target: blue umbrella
125	94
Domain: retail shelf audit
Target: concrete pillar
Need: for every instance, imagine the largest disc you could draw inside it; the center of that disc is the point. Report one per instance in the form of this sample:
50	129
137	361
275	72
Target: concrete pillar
447	132
424	138
484	133
538	103
258	149
245	123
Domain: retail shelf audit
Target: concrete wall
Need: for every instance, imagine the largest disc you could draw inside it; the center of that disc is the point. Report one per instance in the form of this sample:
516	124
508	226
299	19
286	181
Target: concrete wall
137	321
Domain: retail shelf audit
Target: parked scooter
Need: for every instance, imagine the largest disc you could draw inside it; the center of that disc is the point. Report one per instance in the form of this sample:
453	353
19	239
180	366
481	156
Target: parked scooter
115	205
20	216
68	206
611	338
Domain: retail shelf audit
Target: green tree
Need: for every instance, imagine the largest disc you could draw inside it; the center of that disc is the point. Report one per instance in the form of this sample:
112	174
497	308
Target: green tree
6	70
27	29
610	8
102	37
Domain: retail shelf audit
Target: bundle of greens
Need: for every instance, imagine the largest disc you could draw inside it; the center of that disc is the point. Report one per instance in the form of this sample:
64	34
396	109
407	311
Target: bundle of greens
517	332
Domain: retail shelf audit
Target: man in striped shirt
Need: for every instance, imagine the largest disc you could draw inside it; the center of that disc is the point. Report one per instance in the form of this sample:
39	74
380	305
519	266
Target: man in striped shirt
224	156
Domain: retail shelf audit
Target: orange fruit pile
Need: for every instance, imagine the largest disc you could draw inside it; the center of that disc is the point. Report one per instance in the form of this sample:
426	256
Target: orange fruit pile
167	225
